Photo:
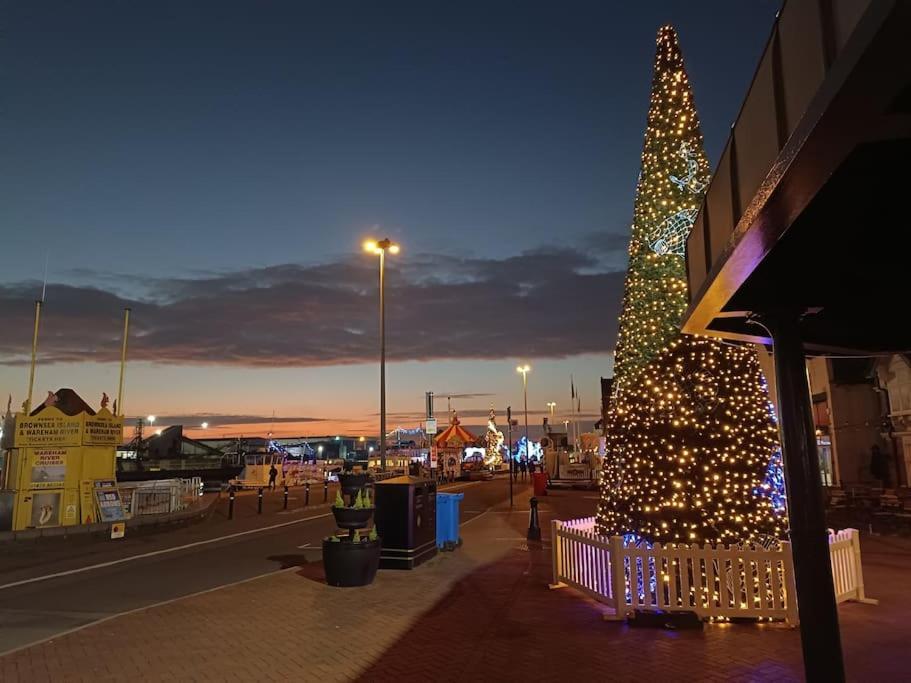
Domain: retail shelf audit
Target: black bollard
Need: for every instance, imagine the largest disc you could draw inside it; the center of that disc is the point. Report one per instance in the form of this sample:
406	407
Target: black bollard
231	502
307	494
534	530
325	491
285	504
259	503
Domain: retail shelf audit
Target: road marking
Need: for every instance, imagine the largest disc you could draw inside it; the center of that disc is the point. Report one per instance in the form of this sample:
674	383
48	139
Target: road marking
468	521
521	512
305	545
153	553
195	544
67	632
454	487
161	603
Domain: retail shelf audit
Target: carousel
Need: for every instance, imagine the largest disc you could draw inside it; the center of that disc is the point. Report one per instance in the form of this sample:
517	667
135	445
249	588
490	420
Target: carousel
450	444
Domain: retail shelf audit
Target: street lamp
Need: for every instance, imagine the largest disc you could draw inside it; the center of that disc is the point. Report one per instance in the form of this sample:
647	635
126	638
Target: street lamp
380	248
524	370
204	425
151	419
551	405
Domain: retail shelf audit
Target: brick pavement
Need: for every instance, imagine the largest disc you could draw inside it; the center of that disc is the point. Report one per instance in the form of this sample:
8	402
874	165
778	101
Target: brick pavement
483	613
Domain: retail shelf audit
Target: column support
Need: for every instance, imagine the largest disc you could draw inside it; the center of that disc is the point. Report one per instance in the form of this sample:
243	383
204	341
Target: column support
819	631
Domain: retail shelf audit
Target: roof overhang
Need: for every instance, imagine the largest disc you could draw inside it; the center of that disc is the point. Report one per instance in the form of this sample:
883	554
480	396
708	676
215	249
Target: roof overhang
823	232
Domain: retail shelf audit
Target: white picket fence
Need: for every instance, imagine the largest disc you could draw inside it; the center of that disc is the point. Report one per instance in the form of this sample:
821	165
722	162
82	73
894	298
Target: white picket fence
847	571
713	582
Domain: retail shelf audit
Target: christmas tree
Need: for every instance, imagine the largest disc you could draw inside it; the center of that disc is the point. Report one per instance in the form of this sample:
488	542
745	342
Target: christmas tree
493	442
692	439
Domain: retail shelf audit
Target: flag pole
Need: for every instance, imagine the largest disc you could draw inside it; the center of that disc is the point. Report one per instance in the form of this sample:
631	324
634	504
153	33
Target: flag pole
31	373
123	358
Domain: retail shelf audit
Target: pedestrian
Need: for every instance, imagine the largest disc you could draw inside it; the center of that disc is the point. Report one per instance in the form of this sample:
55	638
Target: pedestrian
273	473
879	466
531	467
523	468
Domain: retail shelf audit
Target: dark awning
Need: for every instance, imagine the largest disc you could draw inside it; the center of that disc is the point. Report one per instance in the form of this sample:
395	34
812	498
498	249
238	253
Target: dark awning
808	208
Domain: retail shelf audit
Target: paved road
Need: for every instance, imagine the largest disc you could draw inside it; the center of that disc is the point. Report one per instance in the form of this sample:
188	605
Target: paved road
48	589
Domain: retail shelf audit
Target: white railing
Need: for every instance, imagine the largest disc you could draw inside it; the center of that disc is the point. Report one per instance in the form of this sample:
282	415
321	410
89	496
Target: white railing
847	571
582	560
713	582
160	496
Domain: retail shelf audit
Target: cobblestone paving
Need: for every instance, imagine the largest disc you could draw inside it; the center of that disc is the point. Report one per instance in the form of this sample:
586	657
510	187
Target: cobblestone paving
483	613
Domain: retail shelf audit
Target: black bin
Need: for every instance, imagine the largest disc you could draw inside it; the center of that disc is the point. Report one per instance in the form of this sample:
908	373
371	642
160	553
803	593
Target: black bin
406	520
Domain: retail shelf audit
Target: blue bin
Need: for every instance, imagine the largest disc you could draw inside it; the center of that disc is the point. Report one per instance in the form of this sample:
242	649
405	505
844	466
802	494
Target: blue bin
448	520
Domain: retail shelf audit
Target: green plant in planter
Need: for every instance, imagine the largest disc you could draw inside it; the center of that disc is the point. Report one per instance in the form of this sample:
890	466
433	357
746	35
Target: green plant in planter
367	502
372	535
334	539
339	501
359	502
357	536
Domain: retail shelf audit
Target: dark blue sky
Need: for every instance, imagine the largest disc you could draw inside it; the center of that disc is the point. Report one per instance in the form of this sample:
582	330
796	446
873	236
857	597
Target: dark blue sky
146	141
222	134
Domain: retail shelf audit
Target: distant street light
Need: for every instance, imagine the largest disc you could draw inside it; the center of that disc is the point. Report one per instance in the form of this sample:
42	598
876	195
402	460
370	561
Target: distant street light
151	419
551	405
380	248
205	425
524	370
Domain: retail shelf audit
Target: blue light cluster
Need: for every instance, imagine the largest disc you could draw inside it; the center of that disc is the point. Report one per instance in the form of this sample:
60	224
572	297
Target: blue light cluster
631	540
773	484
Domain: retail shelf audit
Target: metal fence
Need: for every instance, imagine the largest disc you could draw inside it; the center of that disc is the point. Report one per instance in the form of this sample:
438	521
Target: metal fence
160	496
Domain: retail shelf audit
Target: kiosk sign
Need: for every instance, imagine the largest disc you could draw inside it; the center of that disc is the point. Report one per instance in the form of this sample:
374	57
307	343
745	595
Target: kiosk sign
48	468
49	428
110	507
102	431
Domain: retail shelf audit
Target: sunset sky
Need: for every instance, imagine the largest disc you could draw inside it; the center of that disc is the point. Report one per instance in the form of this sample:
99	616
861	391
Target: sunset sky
216	166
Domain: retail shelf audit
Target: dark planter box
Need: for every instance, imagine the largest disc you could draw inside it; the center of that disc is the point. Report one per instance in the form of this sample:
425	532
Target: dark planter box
352	518
352	483
350	564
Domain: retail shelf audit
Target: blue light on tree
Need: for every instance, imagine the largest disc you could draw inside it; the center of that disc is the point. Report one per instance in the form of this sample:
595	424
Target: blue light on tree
772	486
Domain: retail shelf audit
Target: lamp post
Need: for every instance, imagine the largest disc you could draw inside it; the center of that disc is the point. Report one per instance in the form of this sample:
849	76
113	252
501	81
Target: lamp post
380	248
551	405
524	370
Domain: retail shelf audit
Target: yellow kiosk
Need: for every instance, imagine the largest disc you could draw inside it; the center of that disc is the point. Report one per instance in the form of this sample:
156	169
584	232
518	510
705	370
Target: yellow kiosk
60	459
61	468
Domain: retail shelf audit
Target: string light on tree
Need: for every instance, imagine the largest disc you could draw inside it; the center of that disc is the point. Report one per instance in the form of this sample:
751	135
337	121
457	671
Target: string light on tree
692	443
493	442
